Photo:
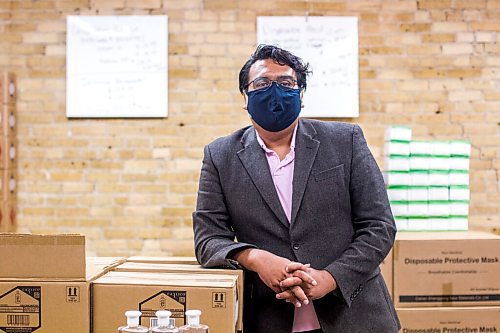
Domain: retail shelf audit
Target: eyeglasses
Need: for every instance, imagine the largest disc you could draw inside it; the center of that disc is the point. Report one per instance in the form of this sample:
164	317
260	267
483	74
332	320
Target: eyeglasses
259	83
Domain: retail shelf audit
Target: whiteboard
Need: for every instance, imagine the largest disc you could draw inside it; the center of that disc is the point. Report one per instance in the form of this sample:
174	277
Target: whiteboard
116	66
330	45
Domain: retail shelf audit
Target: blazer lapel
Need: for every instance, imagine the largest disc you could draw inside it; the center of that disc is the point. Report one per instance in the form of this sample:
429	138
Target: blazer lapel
254	160
306	148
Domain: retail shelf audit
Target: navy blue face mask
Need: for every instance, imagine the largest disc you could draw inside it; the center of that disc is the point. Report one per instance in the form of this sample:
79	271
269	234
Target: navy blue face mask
274	108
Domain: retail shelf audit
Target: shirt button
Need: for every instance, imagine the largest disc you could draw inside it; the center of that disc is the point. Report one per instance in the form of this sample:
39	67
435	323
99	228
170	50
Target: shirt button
296	247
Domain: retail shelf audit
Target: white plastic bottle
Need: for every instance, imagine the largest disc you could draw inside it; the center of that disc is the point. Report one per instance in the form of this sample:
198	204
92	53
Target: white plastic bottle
133	323
193	323
165	323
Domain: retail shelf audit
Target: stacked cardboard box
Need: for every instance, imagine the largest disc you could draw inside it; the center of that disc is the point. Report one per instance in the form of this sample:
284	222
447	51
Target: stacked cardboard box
8	174
116	292
427	181
447	282
176	284
45	283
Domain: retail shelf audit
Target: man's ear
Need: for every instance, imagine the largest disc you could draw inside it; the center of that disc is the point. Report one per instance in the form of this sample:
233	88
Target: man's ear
301	98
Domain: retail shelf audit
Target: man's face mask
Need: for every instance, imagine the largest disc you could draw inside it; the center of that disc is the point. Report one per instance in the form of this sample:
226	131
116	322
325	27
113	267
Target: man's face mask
274	108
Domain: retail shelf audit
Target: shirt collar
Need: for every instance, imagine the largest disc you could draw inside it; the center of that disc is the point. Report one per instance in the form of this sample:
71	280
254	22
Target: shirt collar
263	145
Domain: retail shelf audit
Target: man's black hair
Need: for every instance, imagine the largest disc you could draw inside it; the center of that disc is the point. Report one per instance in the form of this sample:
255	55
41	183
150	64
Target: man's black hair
279	56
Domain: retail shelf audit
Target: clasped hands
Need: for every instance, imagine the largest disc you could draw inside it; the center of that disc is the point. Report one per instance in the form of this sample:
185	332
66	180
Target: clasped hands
293	282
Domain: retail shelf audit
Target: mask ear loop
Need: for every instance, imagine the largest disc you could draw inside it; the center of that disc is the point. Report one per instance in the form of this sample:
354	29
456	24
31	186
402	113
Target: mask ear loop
245	99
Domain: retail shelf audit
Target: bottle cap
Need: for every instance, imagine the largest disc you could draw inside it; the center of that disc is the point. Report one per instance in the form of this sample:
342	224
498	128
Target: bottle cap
133	318
163	317
193	317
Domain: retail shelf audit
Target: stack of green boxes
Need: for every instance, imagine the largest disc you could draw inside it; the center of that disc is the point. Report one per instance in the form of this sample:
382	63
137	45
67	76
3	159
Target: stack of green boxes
427	181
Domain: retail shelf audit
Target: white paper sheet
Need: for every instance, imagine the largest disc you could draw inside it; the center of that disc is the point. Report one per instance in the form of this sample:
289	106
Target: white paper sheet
330	45
117	66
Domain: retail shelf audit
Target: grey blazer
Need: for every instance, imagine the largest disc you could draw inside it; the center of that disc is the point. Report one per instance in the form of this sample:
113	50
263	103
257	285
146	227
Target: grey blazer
341	221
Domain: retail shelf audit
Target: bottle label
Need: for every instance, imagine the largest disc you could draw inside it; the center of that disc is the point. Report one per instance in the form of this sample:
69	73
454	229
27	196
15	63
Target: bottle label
20	309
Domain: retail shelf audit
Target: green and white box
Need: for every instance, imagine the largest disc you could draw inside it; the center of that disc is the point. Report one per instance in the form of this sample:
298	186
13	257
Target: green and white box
418	223
418	193
420	162
397	193
438	193
459	163
418	208
418	147
398	132
397	163
460	148
458	223
441	148
439	223
459	192
399	208
419	178
398	148
459	207
439	208
440	163
439	178
396	178
401	223
458	177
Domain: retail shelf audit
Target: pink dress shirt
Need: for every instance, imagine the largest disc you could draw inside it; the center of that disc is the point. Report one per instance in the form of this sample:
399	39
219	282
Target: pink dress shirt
305	318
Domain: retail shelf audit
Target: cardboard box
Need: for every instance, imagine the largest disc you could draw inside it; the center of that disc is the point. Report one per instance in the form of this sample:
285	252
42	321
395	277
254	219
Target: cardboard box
8	120
8	184
387	271
116	292
8	92
60	257
450	320
44	306
8	220
164	260
186	268
8	152
446	269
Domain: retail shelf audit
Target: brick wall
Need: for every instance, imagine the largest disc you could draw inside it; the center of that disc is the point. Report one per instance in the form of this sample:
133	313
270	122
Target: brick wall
130	185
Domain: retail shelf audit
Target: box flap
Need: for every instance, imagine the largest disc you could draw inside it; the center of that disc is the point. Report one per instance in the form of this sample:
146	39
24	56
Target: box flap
164	260
449	235
171	279
139	266
98	266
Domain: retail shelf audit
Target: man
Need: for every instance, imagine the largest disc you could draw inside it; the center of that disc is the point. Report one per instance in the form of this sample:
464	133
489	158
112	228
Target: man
307	204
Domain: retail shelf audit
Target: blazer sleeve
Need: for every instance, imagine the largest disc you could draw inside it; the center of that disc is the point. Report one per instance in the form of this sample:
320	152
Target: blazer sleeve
372	220
214	237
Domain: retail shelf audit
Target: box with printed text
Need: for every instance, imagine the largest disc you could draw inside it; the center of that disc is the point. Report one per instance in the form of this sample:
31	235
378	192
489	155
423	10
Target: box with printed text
433	269
50	306
116	292
187	268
